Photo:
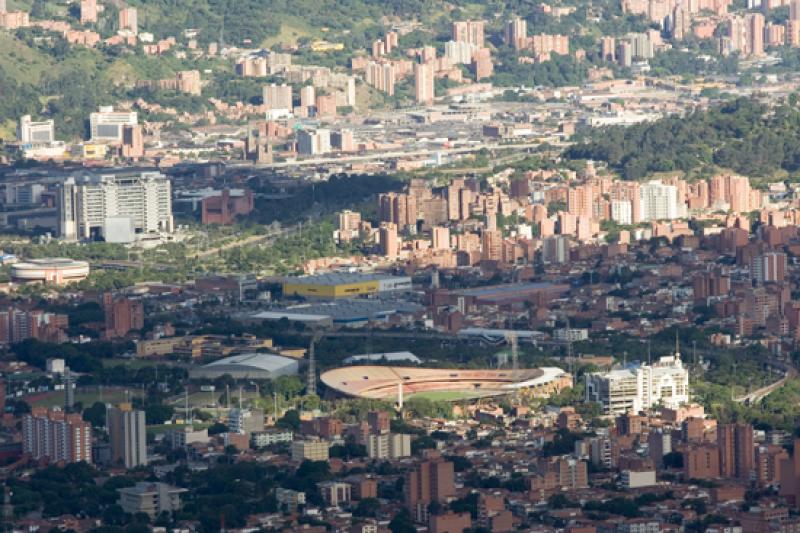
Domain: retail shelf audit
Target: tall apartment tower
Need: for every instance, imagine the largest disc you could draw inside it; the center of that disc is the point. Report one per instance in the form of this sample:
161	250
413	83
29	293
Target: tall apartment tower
88	11
57	436
423	83
469	31
736	450
127	432
431	481
129	19
516	32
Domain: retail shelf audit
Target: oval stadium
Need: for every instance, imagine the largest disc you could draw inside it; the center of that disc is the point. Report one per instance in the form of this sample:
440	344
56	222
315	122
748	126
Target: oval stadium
390	382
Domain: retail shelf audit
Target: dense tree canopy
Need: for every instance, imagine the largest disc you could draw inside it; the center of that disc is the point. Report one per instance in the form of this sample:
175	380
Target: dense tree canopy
743	135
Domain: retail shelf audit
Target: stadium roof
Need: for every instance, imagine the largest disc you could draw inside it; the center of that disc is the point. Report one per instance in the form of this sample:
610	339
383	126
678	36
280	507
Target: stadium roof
259	361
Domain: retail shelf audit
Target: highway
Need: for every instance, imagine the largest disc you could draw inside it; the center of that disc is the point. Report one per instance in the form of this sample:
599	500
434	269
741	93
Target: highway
399	154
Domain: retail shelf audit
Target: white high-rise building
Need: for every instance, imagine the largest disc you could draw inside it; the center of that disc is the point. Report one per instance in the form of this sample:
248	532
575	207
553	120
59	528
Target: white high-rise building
30	132
107	125
659	201
128	435
91	204
621	212
459	52
314	142
665	382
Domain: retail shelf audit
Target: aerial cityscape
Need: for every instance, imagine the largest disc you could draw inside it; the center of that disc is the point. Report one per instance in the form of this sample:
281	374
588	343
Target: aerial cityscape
402	266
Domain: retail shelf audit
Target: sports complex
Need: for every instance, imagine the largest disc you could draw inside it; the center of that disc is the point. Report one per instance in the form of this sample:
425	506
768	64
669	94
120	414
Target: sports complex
398	382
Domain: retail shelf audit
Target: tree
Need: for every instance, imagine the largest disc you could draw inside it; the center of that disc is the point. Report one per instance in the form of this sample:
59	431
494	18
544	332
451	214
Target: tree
368	507
402	522
96	414
290	420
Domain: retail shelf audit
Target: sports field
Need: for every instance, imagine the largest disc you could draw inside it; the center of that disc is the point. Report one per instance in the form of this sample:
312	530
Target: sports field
87	397
446	395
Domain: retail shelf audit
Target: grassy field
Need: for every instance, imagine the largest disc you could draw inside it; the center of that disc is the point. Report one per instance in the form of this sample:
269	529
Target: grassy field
446	396
291	30
86	397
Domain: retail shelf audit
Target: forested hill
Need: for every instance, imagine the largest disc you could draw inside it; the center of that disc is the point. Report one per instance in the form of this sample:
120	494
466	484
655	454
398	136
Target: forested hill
743	135
260	19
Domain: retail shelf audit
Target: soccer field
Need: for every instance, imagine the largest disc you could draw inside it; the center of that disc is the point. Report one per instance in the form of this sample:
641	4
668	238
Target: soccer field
446	396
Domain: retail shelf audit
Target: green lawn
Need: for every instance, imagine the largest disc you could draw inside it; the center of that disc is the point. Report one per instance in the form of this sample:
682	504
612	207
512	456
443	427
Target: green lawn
446	396
87	398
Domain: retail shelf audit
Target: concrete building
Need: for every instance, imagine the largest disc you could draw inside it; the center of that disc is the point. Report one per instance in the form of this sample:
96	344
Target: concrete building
51	271
335	493
768	268
431	481
470	31
424	83
388	446
56	436
88	204
129	19
633	389
30	132
260	439
314	142
245	420
289	500
122	315
150	498
344	285
128	436
659	201
310	450
736	451
516	33
107	125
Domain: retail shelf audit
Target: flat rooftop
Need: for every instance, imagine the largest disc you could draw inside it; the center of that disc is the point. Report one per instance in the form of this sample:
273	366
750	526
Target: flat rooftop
339	278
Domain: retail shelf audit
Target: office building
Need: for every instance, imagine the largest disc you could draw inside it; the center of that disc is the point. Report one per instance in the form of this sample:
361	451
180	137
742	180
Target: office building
423	83
56	436
127	434
107	125
736	451
151	498
314	142
129	20
431	481
92	205
30	132
627	390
